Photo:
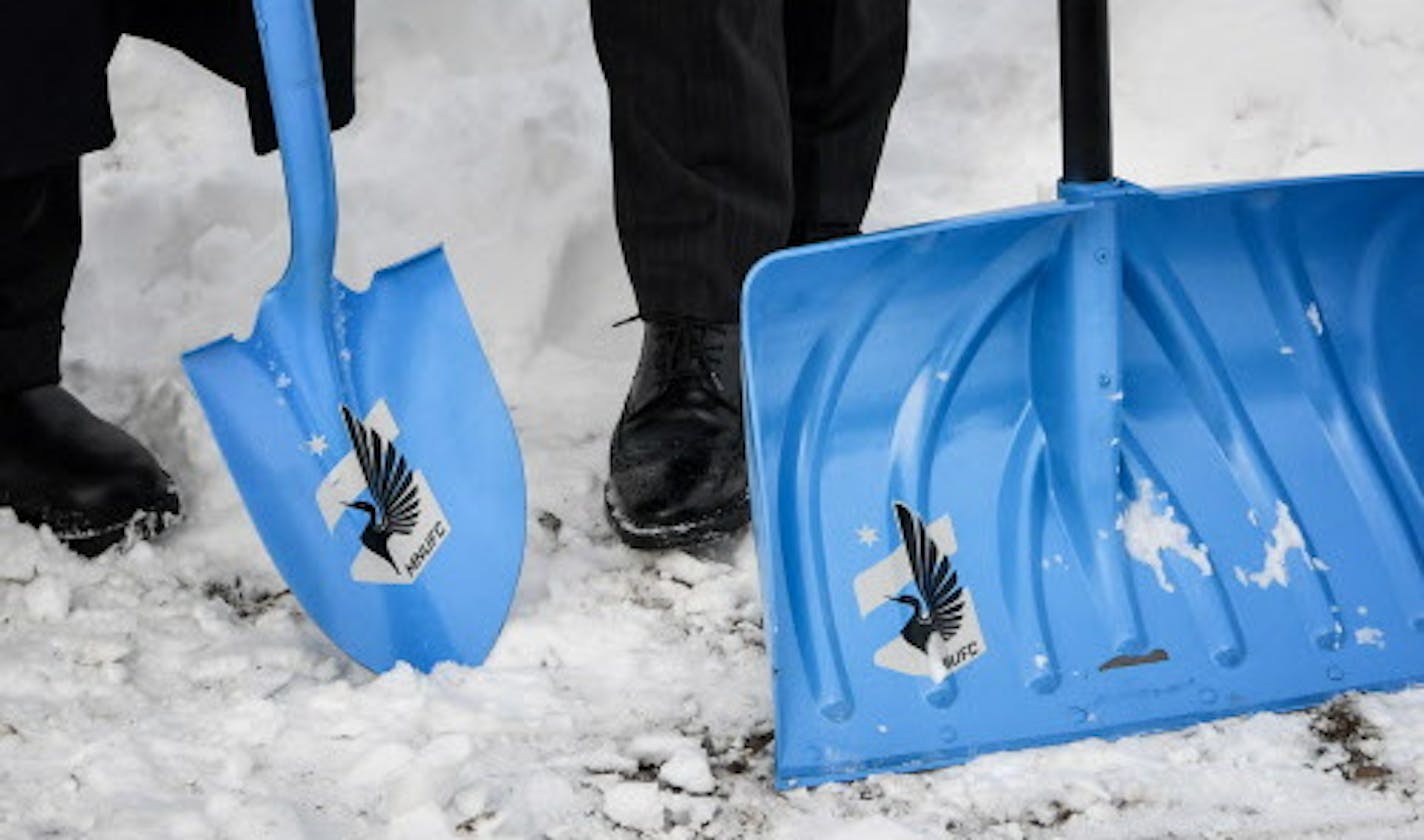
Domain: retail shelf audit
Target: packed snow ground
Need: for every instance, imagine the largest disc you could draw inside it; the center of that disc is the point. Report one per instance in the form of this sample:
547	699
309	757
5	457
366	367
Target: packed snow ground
176	692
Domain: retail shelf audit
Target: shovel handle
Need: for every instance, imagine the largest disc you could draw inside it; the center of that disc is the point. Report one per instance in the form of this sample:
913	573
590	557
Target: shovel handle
1085	88
287	29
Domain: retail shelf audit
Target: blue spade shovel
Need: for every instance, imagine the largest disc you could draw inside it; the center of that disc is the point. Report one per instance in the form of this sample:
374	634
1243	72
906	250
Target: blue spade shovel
365	430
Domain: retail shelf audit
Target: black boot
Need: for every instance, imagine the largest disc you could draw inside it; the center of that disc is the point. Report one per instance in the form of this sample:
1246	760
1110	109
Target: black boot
89	481
677	466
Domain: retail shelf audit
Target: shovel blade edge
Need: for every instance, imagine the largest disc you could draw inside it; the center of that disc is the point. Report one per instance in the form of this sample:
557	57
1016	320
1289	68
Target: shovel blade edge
1171	443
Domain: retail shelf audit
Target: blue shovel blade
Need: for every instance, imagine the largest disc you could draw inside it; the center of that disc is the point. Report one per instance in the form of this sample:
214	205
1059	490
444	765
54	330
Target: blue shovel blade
403	420
1158	455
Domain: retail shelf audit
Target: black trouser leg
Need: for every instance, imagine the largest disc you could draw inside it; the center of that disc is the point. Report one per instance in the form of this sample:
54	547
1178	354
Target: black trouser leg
40	232
708	98
54	96
845	62
701	146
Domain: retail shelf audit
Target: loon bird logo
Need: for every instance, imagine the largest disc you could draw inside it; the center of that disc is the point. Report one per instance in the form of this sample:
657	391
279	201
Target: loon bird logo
392	485
942	633
939	610
403	524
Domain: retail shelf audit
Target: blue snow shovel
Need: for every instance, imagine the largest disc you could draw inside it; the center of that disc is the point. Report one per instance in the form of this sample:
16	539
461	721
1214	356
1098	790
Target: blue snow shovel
1118	463
364	429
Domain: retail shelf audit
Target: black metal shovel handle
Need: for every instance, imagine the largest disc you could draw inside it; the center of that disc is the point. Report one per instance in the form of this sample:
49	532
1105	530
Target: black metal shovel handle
1085	89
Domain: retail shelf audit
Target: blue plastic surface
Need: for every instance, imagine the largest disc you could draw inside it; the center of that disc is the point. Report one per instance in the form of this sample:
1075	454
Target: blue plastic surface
404	360
1171	443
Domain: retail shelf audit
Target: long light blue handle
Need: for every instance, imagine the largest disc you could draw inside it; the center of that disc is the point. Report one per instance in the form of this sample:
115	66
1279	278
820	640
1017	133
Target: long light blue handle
289	50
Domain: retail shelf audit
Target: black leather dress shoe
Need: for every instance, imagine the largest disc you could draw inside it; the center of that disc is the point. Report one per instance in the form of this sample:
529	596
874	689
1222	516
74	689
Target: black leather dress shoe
89	481
677	466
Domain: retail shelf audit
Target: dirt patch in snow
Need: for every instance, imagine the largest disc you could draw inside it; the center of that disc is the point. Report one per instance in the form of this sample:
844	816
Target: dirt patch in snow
1349	743
247	602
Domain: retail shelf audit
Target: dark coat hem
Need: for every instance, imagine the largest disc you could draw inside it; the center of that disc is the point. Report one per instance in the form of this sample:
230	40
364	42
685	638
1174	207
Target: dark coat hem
54	100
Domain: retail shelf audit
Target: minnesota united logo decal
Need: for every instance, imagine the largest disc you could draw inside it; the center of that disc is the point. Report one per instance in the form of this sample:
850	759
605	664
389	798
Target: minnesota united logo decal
403	524
941	632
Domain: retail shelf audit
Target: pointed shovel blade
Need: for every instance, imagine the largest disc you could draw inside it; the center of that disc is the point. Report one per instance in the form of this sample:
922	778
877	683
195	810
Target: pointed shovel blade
383	473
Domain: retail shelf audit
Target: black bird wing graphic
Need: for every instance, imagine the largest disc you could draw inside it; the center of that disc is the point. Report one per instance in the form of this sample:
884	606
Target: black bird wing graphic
934	577
388	476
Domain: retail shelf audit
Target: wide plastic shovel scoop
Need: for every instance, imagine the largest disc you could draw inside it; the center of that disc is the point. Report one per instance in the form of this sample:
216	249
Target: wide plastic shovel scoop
1118	463
364	430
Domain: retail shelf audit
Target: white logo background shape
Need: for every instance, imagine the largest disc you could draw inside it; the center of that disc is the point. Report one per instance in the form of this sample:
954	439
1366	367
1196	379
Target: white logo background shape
345	482
888	578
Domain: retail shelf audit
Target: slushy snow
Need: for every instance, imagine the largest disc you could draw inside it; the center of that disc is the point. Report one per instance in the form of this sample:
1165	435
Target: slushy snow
636	805
179	692
1151	533
1286	539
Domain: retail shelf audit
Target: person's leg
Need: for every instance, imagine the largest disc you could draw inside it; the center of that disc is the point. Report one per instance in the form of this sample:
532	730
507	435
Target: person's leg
54	96
845	63
39	246
701	146
702	188
60	466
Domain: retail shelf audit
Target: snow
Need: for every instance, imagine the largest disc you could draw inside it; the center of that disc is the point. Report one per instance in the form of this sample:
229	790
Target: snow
1148	533
179	692
1286	538
47	599
689	771
1370	636
636	805
1312	314
680	761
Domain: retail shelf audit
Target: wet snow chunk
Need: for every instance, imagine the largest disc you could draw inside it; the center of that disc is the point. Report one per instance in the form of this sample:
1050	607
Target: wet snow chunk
1370	636
658	747
1285	537
689	770
379	765
1312	313
47	598
1148	532
636	805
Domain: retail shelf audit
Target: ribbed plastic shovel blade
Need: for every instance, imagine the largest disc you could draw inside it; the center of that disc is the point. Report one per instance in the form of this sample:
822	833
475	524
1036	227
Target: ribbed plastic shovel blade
383	474
1103	466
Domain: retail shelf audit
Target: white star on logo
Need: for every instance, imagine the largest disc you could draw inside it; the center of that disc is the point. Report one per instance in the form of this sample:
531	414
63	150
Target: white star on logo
317	444
867	535
284	381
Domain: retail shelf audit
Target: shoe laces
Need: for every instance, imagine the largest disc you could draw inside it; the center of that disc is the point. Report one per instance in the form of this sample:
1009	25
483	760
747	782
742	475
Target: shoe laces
695	353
